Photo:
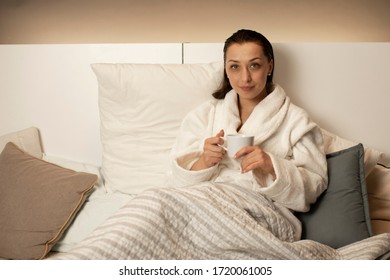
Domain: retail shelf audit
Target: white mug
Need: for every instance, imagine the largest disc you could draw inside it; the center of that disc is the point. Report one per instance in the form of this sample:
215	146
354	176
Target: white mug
234	142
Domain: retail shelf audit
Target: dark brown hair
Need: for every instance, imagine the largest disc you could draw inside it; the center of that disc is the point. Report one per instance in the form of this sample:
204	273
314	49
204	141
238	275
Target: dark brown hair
240	37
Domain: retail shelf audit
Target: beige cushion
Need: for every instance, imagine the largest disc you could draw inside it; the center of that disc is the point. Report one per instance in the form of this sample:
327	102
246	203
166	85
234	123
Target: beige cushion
38	200
334	143
378	188
27	139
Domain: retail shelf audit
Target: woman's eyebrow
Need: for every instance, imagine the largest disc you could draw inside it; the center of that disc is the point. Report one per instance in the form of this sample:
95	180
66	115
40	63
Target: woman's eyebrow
232	60
236	61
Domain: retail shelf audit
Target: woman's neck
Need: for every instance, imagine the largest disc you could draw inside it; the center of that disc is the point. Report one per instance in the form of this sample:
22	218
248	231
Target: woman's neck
245	108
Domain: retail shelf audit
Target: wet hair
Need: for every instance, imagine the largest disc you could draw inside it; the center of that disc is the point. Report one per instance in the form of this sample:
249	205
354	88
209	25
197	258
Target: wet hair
240	37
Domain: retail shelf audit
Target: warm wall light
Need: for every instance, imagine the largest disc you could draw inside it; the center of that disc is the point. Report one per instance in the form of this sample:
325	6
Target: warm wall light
131	21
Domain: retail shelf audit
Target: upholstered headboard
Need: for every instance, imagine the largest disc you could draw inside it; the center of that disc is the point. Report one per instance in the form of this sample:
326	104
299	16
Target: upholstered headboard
344	86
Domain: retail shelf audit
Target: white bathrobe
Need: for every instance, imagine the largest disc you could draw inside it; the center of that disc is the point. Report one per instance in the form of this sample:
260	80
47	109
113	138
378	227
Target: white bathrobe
281	129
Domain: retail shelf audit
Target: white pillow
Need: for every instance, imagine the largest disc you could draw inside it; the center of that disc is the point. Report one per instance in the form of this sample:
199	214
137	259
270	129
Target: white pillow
27	139
141	109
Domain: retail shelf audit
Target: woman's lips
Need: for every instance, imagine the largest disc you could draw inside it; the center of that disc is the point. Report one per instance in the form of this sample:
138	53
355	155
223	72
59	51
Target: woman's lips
246	88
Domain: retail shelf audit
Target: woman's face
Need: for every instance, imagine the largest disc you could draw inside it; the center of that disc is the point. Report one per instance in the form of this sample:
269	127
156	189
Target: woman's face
247	69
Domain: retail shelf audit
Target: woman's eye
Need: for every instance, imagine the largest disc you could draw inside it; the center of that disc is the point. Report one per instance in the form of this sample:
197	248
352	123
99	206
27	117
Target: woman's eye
255	65
234	67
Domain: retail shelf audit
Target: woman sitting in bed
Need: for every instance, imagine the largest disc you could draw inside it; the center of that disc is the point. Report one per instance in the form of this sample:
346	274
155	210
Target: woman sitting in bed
286	163
222	207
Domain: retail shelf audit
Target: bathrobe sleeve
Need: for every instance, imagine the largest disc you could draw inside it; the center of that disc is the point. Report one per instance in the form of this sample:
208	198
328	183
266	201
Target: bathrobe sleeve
195	128
301	176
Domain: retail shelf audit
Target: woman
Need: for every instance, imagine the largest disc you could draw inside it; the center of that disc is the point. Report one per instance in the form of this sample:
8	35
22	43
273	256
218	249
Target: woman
286	163
230	208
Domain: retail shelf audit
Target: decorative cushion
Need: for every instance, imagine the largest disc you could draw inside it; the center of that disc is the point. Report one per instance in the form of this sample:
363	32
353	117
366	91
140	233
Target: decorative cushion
38	200
334	143
141	109
27	139
341	214
378	188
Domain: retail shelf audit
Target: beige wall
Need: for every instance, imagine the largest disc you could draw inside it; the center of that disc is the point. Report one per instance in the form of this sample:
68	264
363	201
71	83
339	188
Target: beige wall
154	21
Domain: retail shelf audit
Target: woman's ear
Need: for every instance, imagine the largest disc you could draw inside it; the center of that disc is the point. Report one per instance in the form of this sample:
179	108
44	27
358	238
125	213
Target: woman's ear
271	67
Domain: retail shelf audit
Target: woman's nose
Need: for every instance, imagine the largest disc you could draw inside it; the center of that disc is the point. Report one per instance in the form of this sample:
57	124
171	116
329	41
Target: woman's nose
246	75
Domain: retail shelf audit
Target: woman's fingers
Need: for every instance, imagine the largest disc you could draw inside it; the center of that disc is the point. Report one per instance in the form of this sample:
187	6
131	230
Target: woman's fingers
213	153
254	158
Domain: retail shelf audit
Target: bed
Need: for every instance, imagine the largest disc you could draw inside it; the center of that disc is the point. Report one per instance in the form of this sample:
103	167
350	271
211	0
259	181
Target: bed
86	151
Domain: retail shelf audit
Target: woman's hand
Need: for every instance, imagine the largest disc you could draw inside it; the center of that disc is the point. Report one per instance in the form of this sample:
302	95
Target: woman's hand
255	159
212	152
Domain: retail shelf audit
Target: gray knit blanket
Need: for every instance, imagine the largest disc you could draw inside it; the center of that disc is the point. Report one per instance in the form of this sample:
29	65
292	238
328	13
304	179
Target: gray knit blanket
209	221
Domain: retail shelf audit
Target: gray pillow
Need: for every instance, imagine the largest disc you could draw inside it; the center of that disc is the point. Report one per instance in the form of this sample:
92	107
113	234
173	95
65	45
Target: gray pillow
341	214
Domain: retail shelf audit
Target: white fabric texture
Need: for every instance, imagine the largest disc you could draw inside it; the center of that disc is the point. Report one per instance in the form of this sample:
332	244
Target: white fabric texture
280	128
141	108
98	207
